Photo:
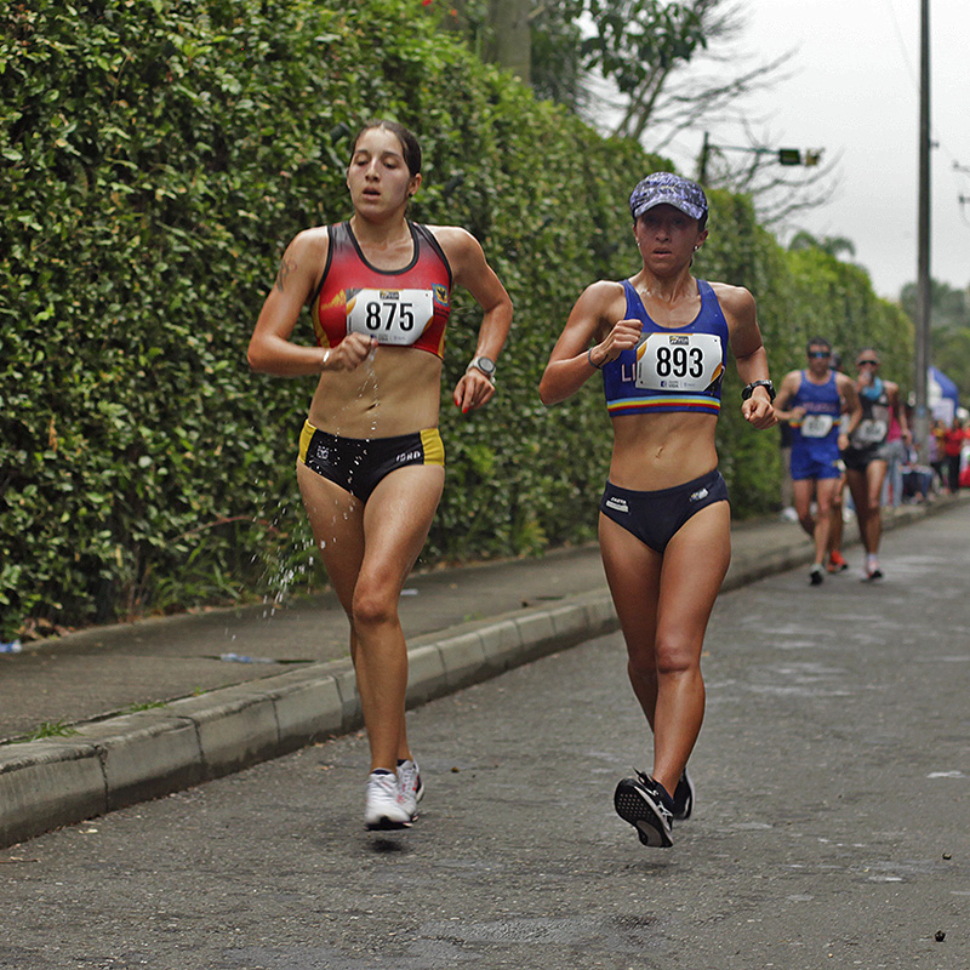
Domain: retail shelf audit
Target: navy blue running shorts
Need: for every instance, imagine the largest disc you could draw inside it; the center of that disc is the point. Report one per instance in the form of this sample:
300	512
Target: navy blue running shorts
655	517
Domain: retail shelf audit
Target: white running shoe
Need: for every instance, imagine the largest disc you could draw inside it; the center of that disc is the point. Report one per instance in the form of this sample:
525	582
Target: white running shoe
385	807
411	785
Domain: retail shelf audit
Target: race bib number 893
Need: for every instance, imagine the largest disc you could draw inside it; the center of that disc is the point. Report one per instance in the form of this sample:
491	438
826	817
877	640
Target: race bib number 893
678	362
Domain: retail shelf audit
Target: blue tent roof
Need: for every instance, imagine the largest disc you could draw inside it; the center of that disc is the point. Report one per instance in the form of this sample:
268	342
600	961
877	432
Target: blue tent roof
947	387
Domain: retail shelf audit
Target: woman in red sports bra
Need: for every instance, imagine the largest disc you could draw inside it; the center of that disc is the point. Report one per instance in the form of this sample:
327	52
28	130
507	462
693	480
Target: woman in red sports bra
371	460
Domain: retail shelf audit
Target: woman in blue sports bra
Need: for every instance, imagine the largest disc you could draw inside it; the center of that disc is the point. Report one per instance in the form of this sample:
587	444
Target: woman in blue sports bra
660	338
371	461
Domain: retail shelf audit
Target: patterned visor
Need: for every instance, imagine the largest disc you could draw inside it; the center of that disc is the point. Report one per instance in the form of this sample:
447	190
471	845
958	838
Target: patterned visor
665	188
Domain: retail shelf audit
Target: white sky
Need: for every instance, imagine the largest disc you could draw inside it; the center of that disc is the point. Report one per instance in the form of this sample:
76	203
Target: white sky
855	90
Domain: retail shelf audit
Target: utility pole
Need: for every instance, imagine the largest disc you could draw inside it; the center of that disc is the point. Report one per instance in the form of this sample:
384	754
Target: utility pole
923	292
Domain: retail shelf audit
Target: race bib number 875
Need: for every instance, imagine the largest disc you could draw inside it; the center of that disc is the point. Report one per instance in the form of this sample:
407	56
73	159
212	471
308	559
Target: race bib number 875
391	316
678	361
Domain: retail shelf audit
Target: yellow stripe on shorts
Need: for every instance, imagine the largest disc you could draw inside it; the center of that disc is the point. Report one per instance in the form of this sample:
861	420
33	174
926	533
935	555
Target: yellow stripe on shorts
434	447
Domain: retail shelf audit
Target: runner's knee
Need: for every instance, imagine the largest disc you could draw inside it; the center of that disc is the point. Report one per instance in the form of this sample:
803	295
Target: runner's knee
374	604
675	656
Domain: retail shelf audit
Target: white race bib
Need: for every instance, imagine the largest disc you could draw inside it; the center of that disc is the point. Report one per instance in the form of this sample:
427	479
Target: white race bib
678	361
392	316
816	425
871	431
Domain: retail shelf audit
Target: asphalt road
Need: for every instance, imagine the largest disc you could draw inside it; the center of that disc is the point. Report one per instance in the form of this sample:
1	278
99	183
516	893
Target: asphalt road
832	827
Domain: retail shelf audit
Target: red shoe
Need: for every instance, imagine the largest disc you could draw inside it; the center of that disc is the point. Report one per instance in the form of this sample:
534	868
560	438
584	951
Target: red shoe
836	563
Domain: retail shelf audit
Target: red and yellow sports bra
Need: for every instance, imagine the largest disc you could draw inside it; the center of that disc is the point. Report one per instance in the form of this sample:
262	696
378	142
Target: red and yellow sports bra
406	307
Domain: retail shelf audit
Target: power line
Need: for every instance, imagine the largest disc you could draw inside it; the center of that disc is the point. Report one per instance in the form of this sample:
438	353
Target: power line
901	40
902	45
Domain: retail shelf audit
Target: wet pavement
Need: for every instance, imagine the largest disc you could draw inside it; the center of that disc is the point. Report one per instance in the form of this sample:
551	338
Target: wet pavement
831	828
108	670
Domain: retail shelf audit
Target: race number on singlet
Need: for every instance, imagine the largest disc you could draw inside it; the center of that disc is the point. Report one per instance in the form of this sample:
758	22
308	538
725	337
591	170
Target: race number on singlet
816	425
392	316
678	361
871	431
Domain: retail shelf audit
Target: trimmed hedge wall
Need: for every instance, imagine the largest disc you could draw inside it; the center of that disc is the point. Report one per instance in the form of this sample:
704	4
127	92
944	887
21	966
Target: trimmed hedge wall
157	157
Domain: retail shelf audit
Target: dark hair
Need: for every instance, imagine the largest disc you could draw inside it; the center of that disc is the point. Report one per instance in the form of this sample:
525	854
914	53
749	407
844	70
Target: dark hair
818	342
410	147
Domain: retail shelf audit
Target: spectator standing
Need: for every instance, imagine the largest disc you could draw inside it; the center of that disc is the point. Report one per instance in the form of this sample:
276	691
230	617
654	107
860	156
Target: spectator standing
896	453
935	453
953	442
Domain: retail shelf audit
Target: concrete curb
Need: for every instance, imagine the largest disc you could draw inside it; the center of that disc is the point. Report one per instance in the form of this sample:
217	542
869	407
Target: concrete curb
108	764
122	760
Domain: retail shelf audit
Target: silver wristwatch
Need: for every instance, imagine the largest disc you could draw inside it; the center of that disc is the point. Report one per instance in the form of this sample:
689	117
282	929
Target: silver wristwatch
485	364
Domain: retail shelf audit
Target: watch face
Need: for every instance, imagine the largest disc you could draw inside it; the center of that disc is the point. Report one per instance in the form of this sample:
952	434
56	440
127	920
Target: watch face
485	365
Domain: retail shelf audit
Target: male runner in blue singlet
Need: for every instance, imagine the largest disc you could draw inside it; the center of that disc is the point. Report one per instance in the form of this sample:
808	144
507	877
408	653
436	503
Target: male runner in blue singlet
811	400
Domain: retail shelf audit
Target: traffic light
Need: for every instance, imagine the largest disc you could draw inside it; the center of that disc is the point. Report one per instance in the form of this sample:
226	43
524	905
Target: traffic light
789	156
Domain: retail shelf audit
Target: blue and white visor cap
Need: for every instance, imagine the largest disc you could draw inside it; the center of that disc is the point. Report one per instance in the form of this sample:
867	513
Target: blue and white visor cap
665	188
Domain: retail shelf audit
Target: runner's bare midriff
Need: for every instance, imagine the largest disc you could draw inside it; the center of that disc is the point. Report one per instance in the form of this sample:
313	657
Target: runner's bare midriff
654	451
395	393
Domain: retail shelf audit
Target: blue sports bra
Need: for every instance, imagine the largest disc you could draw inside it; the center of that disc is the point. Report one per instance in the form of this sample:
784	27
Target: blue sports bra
671	369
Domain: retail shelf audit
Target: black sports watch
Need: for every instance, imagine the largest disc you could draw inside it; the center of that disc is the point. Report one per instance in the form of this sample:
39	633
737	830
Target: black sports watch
748	389
485	364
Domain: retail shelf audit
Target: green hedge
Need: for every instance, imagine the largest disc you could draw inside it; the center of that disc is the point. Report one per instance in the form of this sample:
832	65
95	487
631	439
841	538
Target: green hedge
156	158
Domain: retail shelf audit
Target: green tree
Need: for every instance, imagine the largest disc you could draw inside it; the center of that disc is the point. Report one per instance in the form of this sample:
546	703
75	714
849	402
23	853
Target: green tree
655	72
833	245
544	44
949	330
510	43
949	307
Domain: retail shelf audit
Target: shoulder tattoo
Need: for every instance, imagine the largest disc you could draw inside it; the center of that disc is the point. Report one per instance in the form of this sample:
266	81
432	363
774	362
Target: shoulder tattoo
287	266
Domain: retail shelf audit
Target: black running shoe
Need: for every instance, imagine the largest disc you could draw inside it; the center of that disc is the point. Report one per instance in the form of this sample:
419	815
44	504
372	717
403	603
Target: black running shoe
874	576
683	798
816	576
641	802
